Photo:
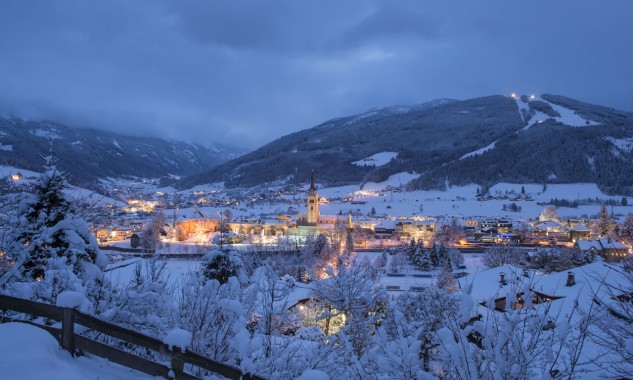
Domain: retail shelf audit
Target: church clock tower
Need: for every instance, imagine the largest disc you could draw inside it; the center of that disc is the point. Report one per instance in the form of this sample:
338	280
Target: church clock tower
313	203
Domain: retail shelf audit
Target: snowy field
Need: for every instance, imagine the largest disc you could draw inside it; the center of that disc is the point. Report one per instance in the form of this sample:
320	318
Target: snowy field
457	201
567	116
177	269
378	159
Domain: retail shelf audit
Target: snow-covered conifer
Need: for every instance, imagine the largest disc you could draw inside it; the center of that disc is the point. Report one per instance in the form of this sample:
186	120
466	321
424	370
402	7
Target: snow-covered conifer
52	247
220	265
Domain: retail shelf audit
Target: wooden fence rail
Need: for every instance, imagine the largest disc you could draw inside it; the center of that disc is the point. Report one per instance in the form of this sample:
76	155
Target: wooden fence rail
71	341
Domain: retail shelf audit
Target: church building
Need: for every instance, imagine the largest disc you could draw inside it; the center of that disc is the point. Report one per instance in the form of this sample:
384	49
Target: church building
313	220
313	204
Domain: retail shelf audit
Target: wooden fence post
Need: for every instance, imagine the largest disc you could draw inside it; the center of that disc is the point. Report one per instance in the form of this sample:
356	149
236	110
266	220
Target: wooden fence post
177	362
68	330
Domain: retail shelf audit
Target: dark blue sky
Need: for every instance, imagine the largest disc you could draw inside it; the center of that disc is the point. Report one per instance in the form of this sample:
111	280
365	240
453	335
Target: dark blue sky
246	72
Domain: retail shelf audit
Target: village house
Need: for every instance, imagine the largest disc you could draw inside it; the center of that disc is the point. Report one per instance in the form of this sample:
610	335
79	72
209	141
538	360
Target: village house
424	229
579	232
611	250
549	229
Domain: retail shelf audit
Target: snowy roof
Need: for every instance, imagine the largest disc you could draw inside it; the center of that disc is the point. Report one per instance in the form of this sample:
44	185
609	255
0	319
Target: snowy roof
549	224
595	281
581	227
299	292
592	281
612	244
600	244
387	224
485	285
585	245
332	217
417	222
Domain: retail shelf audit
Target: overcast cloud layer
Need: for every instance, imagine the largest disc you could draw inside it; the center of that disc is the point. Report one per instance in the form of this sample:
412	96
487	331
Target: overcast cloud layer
246	72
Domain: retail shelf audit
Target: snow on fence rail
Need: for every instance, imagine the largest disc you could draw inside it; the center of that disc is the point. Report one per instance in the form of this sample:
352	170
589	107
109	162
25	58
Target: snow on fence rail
71	341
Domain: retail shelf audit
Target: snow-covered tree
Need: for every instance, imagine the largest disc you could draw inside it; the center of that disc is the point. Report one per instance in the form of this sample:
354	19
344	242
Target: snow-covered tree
498	255
625	232
549	213
153	232
147	303
220	265
422	257
216	316
267	297
410	327
349	242
615	324
349	291
603	224
525	341
446	280
51	246
434	256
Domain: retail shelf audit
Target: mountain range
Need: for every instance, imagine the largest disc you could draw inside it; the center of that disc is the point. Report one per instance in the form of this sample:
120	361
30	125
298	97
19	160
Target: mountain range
524	139
89	154
527	139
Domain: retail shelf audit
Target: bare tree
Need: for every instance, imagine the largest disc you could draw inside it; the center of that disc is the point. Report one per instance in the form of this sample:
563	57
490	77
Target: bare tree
503	254
549	213
153	232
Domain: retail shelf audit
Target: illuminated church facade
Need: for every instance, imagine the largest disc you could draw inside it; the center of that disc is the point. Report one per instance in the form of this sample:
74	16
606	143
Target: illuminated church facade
313	217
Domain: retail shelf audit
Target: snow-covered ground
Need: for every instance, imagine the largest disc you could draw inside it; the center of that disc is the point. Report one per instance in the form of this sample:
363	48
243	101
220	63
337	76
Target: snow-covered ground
175	270
625	145
462	200
378	159
537	118
567	116
30	353
458	201
6	171
76	193
479	151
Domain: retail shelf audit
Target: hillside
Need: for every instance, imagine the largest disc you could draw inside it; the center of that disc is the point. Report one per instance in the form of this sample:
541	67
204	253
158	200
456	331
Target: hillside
563	141
546	139
424	137
88	154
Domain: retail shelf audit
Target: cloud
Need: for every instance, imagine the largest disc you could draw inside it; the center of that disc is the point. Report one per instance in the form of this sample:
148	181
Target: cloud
247	72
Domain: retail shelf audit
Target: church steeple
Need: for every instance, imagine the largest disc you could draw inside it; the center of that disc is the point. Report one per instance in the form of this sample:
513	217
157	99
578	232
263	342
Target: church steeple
313	203
312	187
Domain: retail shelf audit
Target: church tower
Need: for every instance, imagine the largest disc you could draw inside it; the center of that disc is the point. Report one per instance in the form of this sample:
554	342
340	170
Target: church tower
313	204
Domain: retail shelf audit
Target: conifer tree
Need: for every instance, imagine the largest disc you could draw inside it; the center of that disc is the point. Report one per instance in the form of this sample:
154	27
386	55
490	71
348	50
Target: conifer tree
422	257
220	265
349	242
442	255
409	250
434	256
53	248
604	221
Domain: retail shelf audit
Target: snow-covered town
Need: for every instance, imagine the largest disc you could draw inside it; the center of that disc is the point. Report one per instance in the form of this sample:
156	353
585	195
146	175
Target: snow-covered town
287	190
298	277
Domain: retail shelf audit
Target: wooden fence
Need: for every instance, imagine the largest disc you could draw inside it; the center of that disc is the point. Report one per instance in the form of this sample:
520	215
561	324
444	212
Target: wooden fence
73	342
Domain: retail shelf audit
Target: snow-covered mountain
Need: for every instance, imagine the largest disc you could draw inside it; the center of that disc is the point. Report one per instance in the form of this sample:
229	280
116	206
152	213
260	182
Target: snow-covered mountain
88	154
537	139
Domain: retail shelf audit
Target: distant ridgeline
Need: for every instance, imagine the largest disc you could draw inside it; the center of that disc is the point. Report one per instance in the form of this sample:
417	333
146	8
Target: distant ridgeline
88	154
535	139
